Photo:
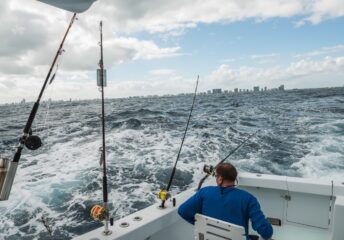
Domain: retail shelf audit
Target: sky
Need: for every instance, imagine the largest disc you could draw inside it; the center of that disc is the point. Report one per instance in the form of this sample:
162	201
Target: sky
160	47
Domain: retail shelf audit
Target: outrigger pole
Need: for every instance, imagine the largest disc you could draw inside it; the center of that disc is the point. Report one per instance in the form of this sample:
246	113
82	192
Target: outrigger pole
103	83
27	139
209	170
101	213
164	193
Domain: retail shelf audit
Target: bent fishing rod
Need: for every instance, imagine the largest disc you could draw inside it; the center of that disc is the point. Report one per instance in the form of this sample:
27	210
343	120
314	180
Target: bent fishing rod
209	170
164	193
28	140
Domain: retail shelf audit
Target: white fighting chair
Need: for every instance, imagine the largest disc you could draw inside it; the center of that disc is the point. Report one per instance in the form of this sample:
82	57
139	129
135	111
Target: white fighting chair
207	228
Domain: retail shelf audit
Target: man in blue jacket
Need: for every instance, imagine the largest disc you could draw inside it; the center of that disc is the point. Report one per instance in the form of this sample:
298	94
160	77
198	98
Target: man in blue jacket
227	203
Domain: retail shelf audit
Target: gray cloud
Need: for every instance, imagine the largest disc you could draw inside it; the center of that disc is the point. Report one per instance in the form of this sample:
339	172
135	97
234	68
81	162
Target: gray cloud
165	16
21	32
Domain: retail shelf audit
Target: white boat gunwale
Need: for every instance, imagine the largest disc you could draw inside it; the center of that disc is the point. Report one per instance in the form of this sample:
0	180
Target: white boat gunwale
157	223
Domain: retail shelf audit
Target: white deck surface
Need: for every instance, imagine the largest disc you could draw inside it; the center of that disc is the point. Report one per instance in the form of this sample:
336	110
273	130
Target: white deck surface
289	232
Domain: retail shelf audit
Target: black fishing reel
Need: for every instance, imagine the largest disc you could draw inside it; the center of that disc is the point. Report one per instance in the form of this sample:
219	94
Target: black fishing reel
208	169
33	142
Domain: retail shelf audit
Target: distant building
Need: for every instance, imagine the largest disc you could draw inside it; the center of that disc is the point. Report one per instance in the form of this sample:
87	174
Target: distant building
217	91
235	90
281	88
226	92
265	89
256	89
209	92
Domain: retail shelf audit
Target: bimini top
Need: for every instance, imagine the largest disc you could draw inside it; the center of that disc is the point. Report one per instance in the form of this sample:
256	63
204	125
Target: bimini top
75	6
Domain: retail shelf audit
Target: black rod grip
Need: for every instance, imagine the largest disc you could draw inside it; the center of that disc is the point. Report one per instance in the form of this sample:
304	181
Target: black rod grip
31	118
105	191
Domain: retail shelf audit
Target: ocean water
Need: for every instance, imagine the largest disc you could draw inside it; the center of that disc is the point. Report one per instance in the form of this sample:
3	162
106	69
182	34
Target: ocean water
301	134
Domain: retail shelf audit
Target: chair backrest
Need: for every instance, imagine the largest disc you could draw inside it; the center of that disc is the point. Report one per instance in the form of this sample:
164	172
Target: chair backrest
207	228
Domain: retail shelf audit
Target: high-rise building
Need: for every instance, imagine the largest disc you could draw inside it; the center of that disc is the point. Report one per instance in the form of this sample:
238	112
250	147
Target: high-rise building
236	90
256	89
281	88
217	91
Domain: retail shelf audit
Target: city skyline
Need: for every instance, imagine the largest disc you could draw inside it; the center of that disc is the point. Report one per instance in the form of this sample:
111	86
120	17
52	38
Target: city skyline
207	92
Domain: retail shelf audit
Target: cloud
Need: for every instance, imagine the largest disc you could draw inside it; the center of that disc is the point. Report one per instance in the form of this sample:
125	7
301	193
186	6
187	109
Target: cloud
33	32
265	58
295	74
145	49
322	51
326	72
134	16
172	84
325	9
162	72
84	54
19	35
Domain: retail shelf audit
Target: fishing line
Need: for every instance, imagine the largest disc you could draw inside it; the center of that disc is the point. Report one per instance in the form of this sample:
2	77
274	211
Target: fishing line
209	170
46	126
164	193
47	122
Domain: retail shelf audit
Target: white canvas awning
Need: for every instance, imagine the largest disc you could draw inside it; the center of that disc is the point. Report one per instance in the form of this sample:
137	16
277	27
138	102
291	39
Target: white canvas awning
75	6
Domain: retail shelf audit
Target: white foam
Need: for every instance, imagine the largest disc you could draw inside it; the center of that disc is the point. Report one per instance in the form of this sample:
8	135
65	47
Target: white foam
325	160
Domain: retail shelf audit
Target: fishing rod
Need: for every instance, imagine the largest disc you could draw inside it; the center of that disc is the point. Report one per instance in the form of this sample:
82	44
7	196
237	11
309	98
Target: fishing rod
164	193
209	170
98	212
32	142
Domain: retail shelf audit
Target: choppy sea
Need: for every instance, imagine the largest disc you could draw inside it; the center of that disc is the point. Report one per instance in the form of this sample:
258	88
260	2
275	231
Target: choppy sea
301	134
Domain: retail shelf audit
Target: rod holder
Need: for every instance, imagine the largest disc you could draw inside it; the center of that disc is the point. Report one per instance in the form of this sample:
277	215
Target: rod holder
8	171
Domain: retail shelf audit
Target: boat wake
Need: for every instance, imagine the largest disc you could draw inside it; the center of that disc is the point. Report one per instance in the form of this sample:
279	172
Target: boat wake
300	135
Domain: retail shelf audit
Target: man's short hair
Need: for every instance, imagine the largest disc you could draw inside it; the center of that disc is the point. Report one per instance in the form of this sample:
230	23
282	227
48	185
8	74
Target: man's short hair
227	171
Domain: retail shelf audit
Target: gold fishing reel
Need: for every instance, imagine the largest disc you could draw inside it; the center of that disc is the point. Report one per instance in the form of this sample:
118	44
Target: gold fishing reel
163	195
98	213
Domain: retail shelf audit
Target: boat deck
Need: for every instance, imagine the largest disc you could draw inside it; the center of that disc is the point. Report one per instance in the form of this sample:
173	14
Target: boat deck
288	232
